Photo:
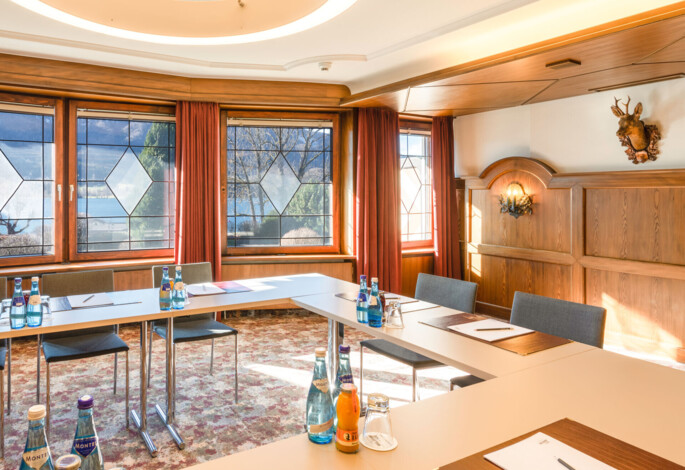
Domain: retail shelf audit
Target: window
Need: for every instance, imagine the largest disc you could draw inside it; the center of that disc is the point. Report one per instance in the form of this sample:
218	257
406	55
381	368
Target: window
125	167
29	177
415	187
279	185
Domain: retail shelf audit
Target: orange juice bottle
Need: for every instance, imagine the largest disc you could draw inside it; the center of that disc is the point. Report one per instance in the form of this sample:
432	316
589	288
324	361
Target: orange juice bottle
347	434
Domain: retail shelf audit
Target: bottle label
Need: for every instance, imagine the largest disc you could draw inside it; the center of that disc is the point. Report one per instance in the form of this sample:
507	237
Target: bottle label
36	458
321	384
166	287
84	446
18	301
319	428
346	379
34	300
178	285
347	438
373	302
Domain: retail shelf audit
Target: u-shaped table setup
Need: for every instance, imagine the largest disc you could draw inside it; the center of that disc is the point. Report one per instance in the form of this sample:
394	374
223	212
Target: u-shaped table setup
634	401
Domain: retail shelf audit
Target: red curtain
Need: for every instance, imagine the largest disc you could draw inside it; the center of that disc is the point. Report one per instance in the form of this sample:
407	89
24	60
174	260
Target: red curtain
445	213
198	205
379	246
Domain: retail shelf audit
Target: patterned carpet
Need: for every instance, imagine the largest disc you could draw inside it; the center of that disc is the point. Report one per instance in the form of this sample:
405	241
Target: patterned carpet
275	362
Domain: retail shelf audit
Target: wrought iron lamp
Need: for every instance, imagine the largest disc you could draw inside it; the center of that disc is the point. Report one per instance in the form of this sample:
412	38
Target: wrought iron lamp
515	201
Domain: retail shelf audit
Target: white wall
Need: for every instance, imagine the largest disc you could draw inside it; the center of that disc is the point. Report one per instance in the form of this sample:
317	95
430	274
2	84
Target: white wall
574	134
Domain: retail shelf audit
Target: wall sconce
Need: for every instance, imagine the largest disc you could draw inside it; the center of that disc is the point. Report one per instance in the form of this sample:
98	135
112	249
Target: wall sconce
515	201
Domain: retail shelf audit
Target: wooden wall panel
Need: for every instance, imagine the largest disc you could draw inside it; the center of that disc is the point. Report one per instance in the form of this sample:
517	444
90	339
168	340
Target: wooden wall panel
129	280
642	224
548	228
341	270
498	278
412	266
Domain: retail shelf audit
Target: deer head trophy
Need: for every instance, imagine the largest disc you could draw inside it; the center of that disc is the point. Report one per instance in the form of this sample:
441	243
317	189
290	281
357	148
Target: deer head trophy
640	138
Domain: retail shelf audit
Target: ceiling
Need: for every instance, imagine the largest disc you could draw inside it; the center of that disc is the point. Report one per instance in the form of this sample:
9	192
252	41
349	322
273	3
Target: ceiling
372	43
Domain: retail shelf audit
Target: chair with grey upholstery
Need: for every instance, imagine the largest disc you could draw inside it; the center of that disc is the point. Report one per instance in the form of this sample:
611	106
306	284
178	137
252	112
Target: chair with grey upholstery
79	344
5	347
444	291
193	327
578	322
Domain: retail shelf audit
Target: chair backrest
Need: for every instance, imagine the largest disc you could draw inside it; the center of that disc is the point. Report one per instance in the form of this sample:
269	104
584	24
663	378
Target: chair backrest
578	322
193	273
78	283
448	292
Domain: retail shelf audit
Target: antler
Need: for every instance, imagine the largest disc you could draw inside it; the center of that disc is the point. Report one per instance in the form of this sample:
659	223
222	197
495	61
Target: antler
618	112
627	104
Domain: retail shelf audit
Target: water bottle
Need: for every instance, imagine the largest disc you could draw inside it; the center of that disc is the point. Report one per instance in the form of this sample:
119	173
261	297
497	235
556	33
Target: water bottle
86	444
342	376
165	290
36	454
178	297
34	310
362	301
18	309
320	411
375	309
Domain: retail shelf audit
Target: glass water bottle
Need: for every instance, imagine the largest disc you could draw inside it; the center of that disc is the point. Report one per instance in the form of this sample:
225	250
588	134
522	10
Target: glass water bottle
86	443
375	309
320	411
165	290
36	454
362	300
178	297
18	308
34	310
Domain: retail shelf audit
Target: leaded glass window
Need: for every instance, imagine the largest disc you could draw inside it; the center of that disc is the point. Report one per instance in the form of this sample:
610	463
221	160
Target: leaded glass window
125	178
415	186
27	183
279	186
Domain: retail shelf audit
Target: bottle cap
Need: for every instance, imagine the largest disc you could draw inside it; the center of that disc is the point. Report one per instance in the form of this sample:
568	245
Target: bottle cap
320	352
34	279
165	268
85	402
68	462
348	388
344	349
374	279
36	412
178	268
363	276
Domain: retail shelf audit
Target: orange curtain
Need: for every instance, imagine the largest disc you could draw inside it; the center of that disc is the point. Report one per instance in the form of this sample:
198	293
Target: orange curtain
198	205
379	246
445	213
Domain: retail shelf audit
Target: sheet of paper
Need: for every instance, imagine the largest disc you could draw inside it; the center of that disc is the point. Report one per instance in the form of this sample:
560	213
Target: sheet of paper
471	329
541	452
232	287
89	300
417	306
206	288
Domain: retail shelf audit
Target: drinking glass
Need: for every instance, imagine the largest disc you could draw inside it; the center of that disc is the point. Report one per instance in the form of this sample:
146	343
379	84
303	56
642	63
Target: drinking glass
393	315
377	434
6	305
45	305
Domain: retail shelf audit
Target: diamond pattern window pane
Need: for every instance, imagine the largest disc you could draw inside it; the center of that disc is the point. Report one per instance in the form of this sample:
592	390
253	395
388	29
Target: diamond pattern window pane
279	186
416	187
26	184
126	184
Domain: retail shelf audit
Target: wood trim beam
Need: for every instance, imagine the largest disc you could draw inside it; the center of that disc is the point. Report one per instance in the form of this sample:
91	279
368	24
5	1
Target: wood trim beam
642	268
539	169
542	256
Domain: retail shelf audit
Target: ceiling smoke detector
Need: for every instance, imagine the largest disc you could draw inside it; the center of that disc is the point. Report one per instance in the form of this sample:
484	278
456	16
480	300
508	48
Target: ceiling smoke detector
325	66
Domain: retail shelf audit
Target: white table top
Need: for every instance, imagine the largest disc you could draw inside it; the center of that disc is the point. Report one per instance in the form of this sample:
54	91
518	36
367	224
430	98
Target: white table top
632	400
478	358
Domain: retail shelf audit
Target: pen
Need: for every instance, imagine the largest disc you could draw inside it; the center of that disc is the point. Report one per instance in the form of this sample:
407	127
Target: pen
494	329
565	464
88	298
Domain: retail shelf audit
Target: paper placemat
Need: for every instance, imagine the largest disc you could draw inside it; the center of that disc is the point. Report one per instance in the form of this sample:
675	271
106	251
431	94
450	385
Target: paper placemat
232	287
89	300
490	330
206	288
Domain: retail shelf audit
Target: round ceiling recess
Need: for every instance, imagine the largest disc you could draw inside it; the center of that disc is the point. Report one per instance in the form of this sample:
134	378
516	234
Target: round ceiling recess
191	22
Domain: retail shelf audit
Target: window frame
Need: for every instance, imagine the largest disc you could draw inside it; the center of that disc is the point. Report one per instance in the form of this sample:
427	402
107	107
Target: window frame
335	180
421	126
59	170
72	202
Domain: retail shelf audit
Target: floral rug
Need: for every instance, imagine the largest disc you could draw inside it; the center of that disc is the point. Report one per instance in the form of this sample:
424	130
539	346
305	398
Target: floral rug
275	361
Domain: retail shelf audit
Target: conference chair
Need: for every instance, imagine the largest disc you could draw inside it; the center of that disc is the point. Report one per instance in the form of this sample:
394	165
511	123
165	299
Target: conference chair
578	322
193	327
79	344
5	358
451	293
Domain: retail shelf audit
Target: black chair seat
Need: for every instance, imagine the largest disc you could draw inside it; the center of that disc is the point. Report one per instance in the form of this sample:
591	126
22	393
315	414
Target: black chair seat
400	354
465	381
79	347
196	330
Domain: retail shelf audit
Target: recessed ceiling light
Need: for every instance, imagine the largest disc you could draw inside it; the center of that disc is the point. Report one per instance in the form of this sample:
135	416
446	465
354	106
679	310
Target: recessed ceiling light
326	12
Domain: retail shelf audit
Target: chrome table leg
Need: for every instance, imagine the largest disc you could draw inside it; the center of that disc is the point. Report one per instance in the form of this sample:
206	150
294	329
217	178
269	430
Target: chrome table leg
335	339
169	416
140	422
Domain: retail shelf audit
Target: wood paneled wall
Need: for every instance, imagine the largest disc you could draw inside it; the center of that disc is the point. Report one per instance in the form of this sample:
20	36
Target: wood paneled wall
612	239
412	265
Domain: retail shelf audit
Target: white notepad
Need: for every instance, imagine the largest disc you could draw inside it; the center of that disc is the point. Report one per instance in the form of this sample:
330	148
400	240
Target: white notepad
206	288
541	452
89	300
495	335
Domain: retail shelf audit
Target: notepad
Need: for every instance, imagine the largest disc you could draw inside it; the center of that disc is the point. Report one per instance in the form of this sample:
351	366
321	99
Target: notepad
471	329
206	288
542	452
89	300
